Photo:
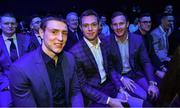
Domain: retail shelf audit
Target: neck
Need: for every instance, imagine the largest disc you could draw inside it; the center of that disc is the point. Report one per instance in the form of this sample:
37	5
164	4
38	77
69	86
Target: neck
143	32
122	38
94	42
49	53
8	35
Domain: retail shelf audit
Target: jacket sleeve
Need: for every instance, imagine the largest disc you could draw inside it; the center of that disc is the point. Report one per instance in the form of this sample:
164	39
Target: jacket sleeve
20	88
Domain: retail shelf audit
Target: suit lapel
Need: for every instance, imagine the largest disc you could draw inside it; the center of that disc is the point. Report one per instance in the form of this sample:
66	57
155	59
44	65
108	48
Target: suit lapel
116	49
5	49
66	74
20	44
89	54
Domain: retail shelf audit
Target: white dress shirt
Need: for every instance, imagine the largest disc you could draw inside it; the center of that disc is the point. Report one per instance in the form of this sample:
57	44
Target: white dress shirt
96	50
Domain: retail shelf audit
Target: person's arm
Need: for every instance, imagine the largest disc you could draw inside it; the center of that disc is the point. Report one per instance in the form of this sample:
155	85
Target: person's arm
20	88
76	98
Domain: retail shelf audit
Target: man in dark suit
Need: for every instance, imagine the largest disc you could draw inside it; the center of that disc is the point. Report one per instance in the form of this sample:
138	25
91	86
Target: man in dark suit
130	59
47	75
35	37
9	38
74	33
98	81
144	30
13	46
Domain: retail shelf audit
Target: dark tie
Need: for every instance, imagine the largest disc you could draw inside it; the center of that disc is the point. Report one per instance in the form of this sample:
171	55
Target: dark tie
13	50
76	34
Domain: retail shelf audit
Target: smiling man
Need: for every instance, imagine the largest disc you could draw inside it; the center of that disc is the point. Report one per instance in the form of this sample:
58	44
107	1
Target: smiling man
47	76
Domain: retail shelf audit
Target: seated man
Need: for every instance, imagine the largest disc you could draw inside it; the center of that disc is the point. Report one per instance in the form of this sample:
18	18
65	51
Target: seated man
47	75
95	75
130	59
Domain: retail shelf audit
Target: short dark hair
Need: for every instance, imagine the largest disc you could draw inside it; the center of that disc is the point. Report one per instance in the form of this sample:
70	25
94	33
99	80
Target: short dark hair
119	13
49	18
7	14
144	15
88	13
163	15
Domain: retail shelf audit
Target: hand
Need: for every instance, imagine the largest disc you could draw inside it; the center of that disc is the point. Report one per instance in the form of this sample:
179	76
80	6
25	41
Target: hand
115	103
153	91
128	83
160	74
123	95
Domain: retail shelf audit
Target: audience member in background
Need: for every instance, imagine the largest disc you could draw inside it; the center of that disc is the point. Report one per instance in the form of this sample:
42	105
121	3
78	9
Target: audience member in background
46	77
144	24
74	33
134	26
36	39
104	27
14	45
160	38
168	9
131	59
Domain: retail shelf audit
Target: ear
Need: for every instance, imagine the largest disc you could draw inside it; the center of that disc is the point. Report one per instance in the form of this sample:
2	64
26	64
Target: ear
80	27
41	32
127	25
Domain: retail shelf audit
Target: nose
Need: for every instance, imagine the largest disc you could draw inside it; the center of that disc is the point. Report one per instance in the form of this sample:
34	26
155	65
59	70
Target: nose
60	38
89	28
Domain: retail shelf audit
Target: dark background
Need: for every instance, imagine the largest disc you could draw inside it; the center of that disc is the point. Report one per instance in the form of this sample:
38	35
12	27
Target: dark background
23	9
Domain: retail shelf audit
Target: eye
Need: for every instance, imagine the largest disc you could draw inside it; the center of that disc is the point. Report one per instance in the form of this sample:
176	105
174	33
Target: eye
85	25
54	32
94	24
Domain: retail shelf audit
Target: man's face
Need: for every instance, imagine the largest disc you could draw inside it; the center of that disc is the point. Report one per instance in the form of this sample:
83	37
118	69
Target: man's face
73	22
145	23
90	27
35	23
168	22
54	36
8	25
119	25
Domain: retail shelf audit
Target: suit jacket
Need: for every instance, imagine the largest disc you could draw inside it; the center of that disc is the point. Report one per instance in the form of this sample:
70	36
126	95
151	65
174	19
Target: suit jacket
159	44
30	84
34	43
148	40
72	39
138	56
5	97
22	43
88	72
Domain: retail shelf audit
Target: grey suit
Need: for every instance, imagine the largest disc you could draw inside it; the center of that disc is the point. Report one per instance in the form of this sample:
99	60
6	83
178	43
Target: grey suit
30	84
160	45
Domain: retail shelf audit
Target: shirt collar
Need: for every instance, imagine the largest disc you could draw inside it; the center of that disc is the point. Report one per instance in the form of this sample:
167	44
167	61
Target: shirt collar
126	40
90	45
48	59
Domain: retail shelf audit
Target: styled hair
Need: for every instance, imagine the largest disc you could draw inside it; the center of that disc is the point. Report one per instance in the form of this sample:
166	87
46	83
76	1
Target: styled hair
8	14
119	13
50	18
144	15
89	13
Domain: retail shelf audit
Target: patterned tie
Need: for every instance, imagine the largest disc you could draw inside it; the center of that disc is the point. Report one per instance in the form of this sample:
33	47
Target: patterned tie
13	50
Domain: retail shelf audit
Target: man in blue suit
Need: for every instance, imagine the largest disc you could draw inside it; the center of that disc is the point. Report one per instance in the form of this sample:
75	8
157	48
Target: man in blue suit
130	59
47	75
13	46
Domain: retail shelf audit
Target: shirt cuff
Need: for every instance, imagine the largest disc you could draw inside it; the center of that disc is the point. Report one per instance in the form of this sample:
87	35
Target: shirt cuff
107	102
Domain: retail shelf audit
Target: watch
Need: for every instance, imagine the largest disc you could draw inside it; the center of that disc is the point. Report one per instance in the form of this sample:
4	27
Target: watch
153	83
